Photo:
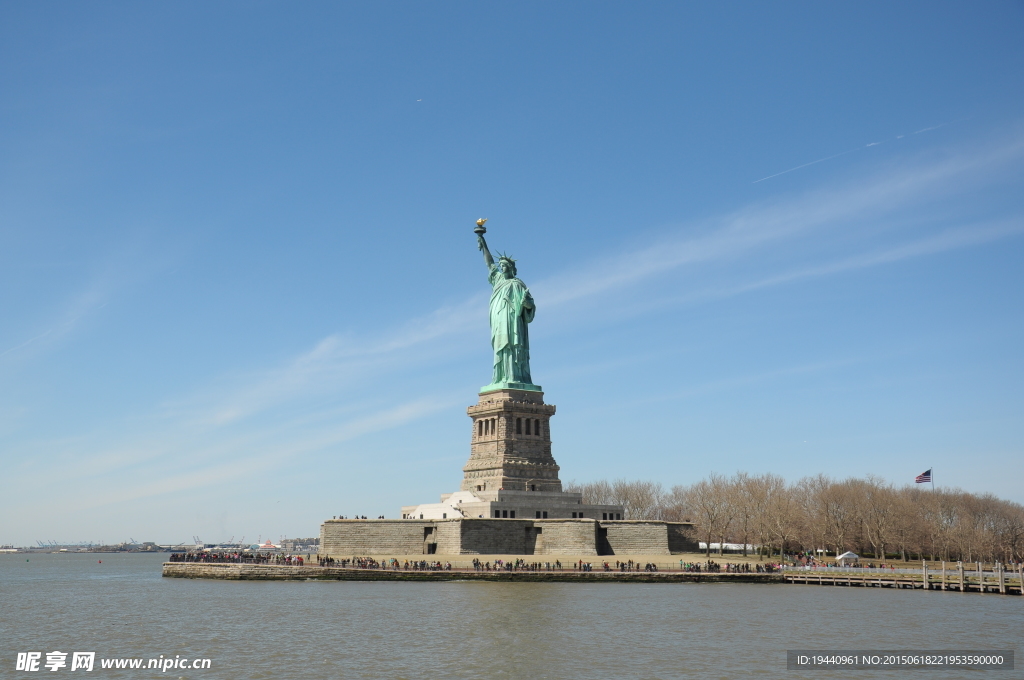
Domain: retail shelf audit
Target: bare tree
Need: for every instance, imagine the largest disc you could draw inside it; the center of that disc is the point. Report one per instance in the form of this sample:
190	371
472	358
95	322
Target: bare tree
742	500
594	493
819	512
909	526
710	508
781	510
839	515
758	494
1010	528
724	489
812	497
639	499
876	505
674	507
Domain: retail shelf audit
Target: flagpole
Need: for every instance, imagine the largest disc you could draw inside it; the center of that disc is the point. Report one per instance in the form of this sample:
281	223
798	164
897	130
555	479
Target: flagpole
932	476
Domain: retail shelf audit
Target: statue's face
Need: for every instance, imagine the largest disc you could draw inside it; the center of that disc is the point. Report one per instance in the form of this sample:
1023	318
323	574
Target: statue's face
506	268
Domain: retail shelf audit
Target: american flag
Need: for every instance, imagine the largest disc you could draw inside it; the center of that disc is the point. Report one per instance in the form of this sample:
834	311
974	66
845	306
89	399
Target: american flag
924	477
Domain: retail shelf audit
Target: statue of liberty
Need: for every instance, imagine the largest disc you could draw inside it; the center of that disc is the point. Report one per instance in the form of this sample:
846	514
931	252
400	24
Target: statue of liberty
511	310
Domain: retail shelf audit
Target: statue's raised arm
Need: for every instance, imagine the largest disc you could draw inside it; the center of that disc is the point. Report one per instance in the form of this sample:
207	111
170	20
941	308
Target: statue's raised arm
482	245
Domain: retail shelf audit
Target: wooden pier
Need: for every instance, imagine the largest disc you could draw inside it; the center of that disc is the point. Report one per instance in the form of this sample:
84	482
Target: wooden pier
957	579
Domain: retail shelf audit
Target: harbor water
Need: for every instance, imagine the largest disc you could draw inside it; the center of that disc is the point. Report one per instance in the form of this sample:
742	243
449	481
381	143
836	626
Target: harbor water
119	606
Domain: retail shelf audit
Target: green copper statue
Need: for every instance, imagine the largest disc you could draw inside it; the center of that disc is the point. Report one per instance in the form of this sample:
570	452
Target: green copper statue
512	309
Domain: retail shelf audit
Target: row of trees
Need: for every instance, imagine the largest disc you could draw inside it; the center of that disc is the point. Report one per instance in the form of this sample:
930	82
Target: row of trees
866	515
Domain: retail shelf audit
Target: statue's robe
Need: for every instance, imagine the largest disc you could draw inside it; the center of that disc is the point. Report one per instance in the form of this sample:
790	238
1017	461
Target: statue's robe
510	337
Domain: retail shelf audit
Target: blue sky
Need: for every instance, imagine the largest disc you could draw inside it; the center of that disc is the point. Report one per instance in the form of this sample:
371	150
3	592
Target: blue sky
240	290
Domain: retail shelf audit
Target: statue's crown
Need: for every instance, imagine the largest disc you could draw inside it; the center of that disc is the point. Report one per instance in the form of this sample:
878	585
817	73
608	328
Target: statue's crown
506	258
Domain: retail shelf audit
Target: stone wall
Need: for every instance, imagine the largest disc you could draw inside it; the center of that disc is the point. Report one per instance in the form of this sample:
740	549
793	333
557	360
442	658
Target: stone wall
448	537
472	536
199	570
235	572
575	537
682	537
341	538
636	537
495	536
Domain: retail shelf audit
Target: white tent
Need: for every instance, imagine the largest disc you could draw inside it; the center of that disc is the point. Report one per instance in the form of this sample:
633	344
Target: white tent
847	558
727	547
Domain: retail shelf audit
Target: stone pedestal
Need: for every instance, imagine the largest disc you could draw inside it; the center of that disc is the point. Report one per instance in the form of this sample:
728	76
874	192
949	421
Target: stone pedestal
510	502
510	444
511	473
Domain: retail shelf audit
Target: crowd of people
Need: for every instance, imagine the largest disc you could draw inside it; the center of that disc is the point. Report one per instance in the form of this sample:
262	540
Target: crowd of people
712	567
809	559
215	557
384	564
631	565
423	565
518	565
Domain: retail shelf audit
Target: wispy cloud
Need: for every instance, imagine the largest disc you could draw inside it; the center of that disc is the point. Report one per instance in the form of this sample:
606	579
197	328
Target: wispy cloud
338	363
950	239
172	457
109	275
265	448
843	153
874	199
805	165
335	363
78	307
252	423
27	342
734	382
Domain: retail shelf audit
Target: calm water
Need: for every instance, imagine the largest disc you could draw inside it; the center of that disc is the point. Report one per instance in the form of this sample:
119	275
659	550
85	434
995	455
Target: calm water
123	608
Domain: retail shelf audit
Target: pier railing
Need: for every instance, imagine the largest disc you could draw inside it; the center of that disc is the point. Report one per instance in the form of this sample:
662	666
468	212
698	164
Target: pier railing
887	570
1004	579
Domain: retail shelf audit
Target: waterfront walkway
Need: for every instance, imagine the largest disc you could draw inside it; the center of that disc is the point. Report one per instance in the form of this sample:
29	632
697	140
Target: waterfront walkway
995	581
277	572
